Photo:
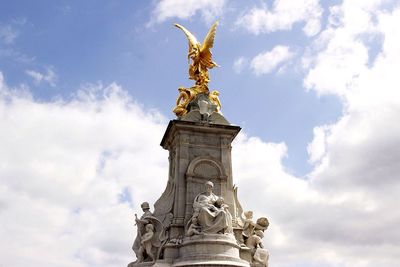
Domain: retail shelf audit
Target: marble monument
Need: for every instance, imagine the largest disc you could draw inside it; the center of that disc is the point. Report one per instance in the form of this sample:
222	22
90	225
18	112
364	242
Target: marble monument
198	220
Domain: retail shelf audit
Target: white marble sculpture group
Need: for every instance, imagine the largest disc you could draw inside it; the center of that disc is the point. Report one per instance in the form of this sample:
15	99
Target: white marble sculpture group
211	216
198	219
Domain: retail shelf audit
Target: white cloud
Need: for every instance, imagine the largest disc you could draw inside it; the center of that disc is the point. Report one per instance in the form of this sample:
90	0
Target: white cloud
351	196
282	16
64	166
316	149
267	62
239	64
357	157
7	34
341	53
370	95
49	77
184	9
292	205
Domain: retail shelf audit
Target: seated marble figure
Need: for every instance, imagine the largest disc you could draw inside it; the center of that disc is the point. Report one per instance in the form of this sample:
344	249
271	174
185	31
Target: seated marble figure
211	214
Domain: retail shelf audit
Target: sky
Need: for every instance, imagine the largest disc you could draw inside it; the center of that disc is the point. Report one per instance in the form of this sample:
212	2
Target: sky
87	89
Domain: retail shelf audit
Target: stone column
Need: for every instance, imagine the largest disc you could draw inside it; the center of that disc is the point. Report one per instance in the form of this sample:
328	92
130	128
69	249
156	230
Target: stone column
201	152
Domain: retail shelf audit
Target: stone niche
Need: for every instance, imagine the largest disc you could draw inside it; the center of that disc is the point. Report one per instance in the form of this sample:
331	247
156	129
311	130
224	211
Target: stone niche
201	170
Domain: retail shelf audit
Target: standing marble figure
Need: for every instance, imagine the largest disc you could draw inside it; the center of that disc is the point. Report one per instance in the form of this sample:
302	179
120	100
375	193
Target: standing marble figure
150	236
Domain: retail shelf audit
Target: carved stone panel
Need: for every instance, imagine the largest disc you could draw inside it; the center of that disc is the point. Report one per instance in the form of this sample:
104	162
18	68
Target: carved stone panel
205	140
206	170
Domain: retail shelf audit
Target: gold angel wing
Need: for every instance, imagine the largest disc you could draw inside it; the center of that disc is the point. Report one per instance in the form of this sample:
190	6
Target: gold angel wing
209	39
208	43
191	38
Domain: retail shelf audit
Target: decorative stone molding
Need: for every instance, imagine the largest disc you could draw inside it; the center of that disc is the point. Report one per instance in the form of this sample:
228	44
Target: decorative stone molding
203	167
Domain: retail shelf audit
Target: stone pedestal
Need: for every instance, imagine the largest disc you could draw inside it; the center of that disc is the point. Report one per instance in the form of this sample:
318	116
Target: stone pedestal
209	250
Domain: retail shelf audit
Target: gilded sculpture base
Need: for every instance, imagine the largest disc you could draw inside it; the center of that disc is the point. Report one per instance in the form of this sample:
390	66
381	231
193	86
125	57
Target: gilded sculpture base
188	99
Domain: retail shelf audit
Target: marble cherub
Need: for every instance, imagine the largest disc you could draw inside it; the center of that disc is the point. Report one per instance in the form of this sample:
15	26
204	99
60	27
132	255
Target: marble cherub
258	252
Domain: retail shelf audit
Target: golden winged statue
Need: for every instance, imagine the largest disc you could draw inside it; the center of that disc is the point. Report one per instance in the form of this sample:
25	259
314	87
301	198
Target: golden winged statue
200	60
201	56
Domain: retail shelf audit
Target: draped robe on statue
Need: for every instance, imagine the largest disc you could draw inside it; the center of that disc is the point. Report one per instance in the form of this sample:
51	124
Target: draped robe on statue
211	218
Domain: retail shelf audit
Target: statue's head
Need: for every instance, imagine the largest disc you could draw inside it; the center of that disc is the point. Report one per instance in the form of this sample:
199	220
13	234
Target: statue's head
262	223
209	186
248	214
220	201
145	206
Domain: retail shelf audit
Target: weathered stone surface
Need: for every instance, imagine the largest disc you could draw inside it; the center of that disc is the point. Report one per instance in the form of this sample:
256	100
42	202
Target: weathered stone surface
209	250
196	116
